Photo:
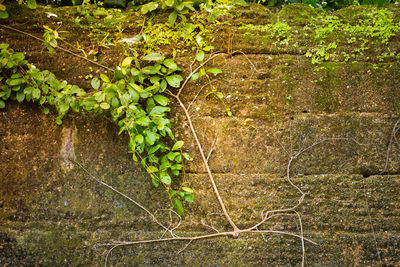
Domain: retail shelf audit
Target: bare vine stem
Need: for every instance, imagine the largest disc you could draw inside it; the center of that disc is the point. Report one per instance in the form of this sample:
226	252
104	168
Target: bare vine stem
204	158
395	129
122	194
57	47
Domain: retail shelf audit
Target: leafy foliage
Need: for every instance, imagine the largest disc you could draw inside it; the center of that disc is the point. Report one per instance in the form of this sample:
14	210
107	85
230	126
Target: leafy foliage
133	97
327	4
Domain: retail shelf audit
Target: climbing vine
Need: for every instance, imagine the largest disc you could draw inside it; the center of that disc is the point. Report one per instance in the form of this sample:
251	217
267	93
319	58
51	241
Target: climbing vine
133	97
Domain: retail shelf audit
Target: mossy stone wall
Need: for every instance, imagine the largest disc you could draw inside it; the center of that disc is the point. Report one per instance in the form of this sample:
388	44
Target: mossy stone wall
54	214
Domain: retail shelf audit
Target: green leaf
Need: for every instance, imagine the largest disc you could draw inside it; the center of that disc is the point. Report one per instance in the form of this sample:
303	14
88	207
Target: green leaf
36	93
178	206
214	71
199	40
169	63
127	62
200	56
174	80
114	102
155	79
171	155
104	78
63	108
173	193
46	111
157	110
154	57
162	100
187	156
177	145
148	7
18	56
149	70
187	189
31	4
150	138
2	104
189	197
95	83
172	17
170	3
195	76
150	105
20	96
58	121
105	105
151	169
136	87
154	149
165	178
139	139
163	85
74	105
3	14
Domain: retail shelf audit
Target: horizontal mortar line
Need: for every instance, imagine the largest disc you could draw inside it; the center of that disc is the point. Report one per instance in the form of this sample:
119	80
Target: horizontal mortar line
311	114
275	54
307	232
281	175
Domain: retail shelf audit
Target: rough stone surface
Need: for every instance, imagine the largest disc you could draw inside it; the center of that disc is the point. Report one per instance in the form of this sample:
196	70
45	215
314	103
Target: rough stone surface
53	213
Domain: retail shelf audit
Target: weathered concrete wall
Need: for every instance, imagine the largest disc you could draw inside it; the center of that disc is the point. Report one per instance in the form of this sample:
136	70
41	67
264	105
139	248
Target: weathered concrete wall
53	213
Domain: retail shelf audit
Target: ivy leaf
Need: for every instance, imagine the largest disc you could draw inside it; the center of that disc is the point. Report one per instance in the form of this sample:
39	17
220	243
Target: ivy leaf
169	63
187	189
165	178
195	76
163	85
3	14
31	4
154	57
136	87
104	78
152	169
18	56
187	156
189	197
139	139
127	62
2	104
150	138
214	71
178	206
20	96
162	100
174	80
63	108
157	110
36	93
95	83
172	17
105	105
149	70
200	56
148	7
177	145
154	149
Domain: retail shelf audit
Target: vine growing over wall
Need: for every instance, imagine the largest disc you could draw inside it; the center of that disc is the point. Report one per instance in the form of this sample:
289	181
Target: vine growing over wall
133	97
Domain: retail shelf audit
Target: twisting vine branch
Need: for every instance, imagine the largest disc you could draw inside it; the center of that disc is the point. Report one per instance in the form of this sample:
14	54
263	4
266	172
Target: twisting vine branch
57	47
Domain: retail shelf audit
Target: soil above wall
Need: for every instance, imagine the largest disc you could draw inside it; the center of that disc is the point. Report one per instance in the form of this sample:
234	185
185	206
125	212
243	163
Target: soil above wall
52	213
